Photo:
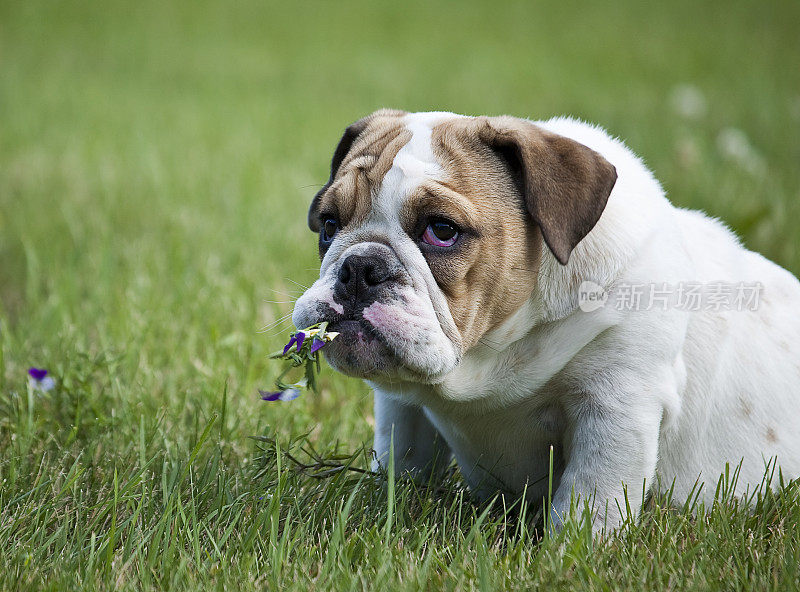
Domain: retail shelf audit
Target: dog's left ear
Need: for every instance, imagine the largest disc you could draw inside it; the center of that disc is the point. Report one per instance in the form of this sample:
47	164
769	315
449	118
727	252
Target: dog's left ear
565	185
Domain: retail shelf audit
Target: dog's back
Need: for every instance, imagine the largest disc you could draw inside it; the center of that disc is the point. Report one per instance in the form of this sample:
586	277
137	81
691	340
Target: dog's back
742	392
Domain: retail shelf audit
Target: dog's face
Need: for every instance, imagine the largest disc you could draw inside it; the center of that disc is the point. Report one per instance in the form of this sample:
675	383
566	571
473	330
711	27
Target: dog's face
430	234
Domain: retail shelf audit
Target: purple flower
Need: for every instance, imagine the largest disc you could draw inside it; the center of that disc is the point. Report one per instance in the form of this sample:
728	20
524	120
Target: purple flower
289	394
268	396
297	338
40	380
317	345
37	374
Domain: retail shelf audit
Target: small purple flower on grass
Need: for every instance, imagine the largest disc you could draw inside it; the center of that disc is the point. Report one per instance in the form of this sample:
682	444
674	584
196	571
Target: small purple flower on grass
37	374
40	379
317	345
268	396
289	394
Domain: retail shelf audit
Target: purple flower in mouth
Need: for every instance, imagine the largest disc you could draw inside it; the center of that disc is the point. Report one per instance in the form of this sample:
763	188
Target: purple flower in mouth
308	341
268	396
40	379
289	394
297	338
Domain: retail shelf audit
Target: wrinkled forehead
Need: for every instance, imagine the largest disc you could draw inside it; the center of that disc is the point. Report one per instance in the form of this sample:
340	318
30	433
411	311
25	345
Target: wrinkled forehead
391	158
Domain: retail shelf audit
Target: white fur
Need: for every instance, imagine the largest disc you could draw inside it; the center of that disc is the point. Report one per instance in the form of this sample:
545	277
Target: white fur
655	397
658	398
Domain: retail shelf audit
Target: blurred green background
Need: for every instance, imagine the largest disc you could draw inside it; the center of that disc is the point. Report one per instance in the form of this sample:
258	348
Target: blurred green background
157	160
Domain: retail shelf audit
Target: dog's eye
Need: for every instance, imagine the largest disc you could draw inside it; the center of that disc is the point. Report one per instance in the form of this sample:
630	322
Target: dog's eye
440	233
329	228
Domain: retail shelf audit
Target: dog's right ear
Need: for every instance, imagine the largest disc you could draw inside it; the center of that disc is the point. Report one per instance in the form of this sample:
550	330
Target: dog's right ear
348	138
564	184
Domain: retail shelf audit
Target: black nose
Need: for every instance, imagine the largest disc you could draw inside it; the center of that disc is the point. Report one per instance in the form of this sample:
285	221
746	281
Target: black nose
360	275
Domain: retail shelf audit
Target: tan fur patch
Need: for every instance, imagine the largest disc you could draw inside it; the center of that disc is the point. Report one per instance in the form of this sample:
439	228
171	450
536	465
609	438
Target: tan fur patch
348	194
745	406
495	272
772	437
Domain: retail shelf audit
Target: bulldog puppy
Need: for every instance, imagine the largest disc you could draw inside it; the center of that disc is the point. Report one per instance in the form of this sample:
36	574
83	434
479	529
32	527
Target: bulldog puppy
481	271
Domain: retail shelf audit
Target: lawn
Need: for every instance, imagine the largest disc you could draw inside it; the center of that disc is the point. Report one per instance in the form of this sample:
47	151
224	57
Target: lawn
156	163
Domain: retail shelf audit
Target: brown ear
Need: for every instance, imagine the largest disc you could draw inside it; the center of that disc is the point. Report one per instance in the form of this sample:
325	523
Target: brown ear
345	143
565	184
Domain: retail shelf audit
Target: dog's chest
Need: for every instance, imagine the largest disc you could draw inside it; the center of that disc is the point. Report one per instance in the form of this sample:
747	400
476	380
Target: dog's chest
500	414
506	450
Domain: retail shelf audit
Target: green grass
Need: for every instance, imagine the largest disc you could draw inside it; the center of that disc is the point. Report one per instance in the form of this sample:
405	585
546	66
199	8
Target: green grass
156	162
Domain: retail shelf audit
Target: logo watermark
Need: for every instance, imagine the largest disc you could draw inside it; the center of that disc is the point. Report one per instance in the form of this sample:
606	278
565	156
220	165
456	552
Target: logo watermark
685	296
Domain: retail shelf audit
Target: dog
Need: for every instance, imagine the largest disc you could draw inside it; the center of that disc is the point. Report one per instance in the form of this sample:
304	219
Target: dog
522	292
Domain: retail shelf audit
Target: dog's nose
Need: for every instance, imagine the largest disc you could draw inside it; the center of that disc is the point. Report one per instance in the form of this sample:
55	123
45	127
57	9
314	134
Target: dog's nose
359	275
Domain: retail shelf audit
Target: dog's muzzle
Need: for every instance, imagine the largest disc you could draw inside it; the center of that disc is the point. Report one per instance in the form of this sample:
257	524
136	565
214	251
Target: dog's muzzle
386	320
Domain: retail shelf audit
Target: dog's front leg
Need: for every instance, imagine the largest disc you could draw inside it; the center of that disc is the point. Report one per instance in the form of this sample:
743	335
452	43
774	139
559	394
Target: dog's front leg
611	448
419	449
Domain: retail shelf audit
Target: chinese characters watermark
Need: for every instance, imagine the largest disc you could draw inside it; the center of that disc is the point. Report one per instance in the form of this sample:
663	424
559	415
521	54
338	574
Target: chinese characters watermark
684	296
